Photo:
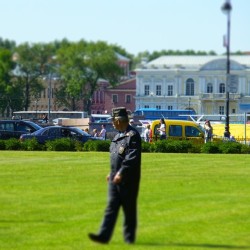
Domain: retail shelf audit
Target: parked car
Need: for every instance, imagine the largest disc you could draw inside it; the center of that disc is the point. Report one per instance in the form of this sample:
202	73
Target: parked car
180	130
57	132
15	128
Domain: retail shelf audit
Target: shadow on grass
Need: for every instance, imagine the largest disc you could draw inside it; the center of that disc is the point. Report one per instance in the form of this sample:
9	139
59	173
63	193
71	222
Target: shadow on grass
192	245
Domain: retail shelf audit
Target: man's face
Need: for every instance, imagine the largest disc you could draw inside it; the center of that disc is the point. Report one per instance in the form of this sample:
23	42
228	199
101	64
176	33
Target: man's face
116	123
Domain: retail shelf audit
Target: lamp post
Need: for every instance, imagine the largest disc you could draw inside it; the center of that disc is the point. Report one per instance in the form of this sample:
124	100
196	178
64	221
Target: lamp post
49	96
226	8
36	102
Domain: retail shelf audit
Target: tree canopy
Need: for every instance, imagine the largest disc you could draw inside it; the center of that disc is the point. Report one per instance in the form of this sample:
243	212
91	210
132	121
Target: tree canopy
78	65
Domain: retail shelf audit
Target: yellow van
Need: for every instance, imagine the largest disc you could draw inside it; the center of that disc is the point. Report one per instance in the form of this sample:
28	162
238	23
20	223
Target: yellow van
179	129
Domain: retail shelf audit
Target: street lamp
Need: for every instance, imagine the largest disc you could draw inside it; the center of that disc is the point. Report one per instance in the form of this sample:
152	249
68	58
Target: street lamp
226	8
49	95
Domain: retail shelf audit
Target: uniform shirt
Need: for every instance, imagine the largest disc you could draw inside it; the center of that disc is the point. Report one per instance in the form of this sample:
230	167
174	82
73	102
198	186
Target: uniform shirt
125	155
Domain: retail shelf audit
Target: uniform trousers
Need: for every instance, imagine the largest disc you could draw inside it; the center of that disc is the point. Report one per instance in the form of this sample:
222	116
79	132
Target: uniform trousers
125	196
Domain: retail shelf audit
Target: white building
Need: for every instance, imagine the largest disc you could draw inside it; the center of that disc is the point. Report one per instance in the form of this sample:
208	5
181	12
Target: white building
194	82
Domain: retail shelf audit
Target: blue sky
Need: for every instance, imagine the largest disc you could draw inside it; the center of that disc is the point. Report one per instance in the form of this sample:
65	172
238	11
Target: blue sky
135	25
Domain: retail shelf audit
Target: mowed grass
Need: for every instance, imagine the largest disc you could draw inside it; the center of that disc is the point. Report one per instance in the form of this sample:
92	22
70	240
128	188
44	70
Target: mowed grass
52	200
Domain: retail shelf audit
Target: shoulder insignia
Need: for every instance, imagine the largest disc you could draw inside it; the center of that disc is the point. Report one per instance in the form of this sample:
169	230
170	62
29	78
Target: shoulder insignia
130	133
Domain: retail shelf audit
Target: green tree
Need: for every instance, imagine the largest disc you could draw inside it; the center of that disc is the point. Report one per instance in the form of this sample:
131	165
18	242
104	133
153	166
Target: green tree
32	63
82	65
7	99
7	44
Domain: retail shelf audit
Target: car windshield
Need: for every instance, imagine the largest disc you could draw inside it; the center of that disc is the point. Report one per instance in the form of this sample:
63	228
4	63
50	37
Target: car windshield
78	130
34	125
38	131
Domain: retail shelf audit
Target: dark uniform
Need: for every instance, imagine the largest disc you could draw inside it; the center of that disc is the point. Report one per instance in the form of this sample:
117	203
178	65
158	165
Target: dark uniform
125	159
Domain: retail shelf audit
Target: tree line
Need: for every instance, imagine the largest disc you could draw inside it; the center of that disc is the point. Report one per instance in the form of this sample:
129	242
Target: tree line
77	65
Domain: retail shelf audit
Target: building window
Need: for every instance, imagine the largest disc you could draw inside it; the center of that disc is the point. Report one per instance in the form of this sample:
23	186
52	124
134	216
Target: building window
209	88
233	111
190	86
170	90
170	107
146	90
222	88
115	98
128	99
158	106
158	90
221	110
146	106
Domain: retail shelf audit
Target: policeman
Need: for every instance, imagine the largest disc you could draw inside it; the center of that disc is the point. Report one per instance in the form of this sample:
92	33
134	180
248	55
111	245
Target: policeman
123	179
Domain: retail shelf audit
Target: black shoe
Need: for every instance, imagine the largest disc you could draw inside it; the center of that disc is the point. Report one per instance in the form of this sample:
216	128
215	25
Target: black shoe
97	238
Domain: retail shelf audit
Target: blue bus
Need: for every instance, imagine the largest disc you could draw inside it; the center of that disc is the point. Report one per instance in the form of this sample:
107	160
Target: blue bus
154	114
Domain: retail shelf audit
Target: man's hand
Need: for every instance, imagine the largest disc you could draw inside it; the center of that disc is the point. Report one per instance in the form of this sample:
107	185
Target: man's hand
117	179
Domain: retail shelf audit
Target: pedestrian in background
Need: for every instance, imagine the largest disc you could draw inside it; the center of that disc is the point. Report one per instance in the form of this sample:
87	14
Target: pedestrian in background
147	133
103	132
123	180
45	118
162	129
95	132
208	131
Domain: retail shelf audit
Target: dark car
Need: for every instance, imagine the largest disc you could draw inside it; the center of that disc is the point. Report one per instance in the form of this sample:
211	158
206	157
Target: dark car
57	132
15	128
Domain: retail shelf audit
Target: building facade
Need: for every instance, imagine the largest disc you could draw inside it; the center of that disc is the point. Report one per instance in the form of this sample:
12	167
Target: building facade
122	95
99	102
194	82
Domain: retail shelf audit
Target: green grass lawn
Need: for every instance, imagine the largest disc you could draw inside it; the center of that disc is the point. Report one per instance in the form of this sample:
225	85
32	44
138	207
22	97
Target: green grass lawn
51	200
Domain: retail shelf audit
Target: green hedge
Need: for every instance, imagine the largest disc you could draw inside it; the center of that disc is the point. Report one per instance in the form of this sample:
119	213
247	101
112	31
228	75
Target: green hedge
161	146
176	146
101	146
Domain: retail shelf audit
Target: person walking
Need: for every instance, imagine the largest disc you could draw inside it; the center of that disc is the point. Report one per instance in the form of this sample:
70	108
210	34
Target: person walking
162	129
103	132
123	180
147	133
208	131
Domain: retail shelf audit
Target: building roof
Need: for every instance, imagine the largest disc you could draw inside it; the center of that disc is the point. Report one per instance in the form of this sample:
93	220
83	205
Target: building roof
193	61
121	57
127	84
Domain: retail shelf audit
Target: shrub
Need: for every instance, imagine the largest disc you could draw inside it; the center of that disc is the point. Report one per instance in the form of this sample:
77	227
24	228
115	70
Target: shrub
228	147
13	144
32	145
97	145
182	146
196	148
2	144
210	148
171	146
245	149
160	146
79	146
63	144
145	146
